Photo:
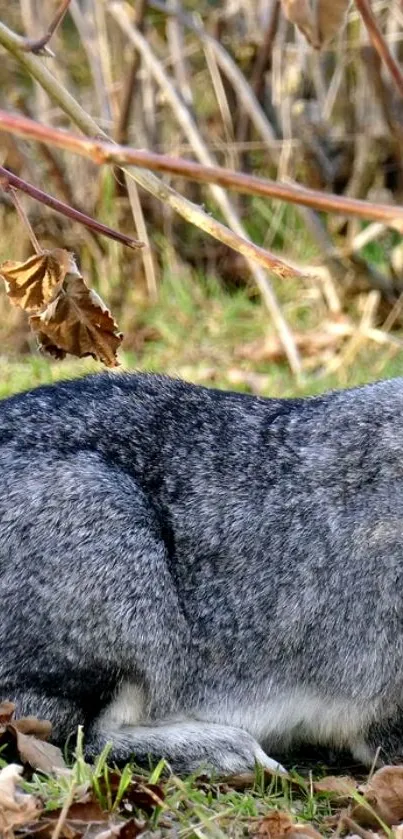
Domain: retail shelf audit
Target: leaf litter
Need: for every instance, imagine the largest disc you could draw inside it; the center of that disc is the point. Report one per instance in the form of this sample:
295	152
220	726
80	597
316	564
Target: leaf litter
27	739
105	807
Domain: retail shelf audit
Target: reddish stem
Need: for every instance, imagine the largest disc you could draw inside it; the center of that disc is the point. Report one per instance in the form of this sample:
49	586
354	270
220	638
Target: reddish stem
7	180
380	43
100	152
37	44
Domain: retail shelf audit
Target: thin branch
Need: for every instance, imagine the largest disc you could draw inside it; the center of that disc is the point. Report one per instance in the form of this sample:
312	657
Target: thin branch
37	45
120	10
246	96
261	65
102	151
91	29
24	219
7	180
175	40
263	59
122	127
193	213
89	147
379	42
70	106
61	180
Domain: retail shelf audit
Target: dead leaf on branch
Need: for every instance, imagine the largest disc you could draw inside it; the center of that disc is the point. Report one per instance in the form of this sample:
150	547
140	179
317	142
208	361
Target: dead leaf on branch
318	20
66	315
33	284
78	322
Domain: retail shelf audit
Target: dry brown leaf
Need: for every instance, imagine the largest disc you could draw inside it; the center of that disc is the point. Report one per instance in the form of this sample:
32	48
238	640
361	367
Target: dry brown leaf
318	20
279	825
78	322
384	793
45	829
6	712
88	828
16	808
27	737
66	315
329	337
123	830
31	725
33	284
37	753
338	787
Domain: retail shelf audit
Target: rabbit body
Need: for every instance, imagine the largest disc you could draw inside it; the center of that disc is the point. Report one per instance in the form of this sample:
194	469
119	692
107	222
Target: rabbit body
202	575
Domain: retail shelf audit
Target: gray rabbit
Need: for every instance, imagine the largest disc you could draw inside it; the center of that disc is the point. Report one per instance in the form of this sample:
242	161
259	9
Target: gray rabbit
204	576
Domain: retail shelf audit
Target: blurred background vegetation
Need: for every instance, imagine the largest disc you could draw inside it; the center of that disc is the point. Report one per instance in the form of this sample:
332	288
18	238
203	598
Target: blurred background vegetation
331	120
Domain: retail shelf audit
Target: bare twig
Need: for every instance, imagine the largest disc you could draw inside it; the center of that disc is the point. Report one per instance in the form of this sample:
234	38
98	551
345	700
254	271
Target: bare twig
191	212
122	127
177	48
7	180
141	229
247	98
35	68
120	11
37	45
85	25
379	42
102	151
62	183
264	55
64	811
85	122
24	219
261	65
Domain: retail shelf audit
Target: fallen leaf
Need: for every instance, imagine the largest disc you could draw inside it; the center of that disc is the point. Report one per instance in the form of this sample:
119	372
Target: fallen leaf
31	725
279	825
319	21
131	829
32	750
16	808
384	794
123	830
144	796
6	712
337	787
33	284
243	780
45	829
82	811
37	753
138	793
78	322
332	333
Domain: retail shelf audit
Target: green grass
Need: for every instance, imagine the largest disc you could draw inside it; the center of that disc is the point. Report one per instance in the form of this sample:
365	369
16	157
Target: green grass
189	807
198	331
